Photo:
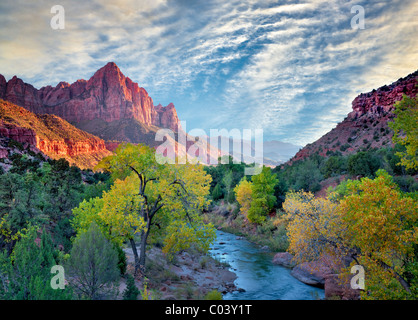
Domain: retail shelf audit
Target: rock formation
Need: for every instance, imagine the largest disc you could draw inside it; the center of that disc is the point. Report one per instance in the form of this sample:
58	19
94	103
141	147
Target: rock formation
51	135
108	95
367	125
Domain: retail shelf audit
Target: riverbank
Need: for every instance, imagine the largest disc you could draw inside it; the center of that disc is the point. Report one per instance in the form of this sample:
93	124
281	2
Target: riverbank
271	235
190	276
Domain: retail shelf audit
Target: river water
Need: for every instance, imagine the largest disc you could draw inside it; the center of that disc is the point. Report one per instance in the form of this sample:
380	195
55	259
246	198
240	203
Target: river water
257	275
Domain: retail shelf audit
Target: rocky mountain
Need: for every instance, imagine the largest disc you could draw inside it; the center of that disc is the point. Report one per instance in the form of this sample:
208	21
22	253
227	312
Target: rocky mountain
366	126
108	105
50	135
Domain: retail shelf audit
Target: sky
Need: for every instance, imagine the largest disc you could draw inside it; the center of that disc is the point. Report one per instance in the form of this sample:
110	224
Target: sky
291	68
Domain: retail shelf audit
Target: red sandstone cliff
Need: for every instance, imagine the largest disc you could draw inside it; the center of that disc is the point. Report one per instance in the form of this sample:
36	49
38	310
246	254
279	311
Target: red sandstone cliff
366	126
108	95
50	134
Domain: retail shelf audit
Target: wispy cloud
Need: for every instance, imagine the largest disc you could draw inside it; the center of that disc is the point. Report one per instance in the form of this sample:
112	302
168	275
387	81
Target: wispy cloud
290	67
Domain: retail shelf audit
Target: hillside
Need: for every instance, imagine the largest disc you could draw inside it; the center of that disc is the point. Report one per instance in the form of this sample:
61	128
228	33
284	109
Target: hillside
366	127
51	135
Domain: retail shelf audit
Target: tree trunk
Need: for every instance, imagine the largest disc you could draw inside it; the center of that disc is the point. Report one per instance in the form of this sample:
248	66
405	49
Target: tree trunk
143	247
136	258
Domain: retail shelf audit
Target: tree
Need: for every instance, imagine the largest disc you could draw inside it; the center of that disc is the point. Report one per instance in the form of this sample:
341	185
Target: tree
28	270
406	130
334	165
370	221
243	194
146	195
93	265
227	181
217	192
131	292
263	199
363	164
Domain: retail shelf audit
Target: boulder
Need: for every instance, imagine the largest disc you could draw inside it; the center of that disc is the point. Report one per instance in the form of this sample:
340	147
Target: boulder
284	259
312	273
335	287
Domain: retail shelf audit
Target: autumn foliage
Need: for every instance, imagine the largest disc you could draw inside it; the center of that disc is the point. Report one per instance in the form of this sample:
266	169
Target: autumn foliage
373	223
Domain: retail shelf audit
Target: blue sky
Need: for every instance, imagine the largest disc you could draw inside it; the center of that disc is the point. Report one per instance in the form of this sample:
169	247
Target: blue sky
291	68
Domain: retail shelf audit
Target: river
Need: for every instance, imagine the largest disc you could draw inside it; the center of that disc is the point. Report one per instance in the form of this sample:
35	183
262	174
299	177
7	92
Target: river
256	273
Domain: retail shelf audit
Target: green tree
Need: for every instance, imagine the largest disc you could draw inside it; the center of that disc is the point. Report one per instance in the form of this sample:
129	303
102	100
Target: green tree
263	199
28	270
93	265
363	164
217	192
406	130
131	292
227	181
308	176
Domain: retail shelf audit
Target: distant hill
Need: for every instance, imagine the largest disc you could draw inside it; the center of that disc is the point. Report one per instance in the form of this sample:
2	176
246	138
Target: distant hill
274	152
51	135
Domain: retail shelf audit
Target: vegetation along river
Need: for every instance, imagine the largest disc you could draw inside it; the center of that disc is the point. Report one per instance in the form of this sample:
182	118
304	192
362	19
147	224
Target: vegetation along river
256	273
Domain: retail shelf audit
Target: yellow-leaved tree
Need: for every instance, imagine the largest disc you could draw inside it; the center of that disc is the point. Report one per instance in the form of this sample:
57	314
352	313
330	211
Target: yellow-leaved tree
373	223
243	194
150	198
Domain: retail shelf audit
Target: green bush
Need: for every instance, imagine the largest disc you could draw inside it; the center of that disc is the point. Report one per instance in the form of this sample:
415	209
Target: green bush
213	295
363	164
131	292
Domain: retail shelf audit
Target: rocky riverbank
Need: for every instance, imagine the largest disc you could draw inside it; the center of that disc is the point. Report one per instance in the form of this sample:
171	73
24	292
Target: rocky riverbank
190	275
323	273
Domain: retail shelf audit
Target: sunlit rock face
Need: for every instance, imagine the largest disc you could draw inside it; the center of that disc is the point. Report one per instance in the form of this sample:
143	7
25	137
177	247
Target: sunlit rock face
108	95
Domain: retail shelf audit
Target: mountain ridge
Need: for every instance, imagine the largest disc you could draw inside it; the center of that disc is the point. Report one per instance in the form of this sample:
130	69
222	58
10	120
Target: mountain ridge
108	95
366	126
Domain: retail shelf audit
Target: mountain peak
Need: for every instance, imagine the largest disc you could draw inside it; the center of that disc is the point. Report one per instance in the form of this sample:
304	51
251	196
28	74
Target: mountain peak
110	70
108	95
111	65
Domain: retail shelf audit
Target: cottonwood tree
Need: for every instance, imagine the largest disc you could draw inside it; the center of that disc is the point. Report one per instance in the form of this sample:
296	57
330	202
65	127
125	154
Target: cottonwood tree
243	194
371	221
150	198
263	198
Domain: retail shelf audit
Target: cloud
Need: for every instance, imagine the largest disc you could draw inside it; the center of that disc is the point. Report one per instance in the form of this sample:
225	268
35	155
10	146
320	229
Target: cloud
289	67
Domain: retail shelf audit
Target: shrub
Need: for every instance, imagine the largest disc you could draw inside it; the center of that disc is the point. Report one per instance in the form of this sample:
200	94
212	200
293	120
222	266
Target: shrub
213	295
93	265
131	292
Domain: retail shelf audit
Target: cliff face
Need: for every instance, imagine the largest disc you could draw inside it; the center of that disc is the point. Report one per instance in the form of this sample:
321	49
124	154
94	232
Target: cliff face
367	125
19	134
108	95
380	101
51	135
